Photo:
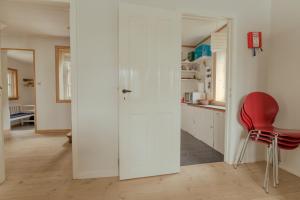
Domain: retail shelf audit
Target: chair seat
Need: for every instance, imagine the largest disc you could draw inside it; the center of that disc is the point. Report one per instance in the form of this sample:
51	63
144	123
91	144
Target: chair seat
289	133
281	144
20	114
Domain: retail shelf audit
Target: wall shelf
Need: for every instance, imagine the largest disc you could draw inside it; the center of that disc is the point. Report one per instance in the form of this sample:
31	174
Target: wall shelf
188	71
198	60
190	79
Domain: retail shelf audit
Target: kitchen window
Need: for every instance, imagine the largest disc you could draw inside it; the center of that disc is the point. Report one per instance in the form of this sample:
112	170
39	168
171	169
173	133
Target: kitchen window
63	74
12	83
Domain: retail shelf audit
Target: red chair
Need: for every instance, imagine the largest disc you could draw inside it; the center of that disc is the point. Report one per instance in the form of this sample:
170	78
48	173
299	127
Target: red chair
253	135
257	115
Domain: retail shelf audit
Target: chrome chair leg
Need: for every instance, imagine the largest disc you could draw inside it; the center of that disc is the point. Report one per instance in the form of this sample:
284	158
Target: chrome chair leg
242	152
274	164
276	152
267	174
266	171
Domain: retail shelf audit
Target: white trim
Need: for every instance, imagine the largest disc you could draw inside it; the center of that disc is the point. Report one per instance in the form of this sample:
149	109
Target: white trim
2	160
73	47
228	158
290	170
96	174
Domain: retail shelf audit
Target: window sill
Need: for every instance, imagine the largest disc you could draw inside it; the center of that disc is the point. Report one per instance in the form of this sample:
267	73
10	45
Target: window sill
63	101
13	98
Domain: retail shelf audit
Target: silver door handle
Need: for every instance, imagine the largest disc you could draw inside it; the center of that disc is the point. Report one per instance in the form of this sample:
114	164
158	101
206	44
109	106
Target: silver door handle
124	91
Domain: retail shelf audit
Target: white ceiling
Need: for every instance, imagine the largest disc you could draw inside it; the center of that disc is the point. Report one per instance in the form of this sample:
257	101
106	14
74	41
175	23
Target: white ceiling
51	18
21	56
195	30
35	17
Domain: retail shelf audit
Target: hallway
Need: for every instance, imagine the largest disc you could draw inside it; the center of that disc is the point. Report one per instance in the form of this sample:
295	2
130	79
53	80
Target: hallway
35	164
39	167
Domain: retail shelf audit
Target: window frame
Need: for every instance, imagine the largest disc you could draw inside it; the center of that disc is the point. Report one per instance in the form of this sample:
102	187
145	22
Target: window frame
16	89
57	65
214	79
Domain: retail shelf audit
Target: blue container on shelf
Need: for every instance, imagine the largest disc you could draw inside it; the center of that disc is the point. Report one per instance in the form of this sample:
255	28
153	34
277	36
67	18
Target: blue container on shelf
206	50
198	52
191	56
203	50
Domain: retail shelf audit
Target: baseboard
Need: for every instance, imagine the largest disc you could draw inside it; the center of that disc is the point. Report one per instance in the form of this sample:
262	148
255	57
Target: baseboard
290	170
6	132
53	131
15	125
96	174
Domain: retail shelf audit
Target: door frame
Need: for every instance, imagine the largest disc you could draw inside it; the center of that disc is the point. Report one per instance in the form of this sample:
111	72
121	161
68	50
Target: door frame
228	113
35	116
74	43
35	84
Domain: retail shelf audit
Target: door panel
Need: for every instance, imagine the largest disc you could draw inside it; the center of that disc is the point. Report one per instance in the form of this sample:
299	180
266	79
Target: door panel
219	131
149	66
204	126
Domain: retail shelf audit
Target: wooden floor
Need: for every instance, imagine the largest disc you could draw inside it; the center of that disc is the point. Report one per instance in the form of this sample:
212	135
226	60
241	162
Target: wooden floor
39	168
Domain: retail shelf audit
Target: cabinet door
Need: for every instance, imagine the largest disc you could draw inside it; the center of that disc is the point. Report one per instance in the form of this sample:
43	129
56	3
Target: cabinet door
184	116
204	126
219	131
187	116
191	123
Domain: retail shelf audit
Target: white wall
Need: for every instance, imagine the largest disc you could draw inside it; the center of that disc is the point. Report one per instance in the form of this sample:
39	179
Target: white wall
50	115
185	51
95	55
5	101
25	70
284	70
2	163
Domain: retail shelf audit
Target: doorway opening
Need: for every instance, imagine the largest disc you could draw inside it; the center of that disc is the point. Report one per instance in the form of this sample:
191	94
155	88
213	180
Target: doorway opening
35	80
204	56
18	75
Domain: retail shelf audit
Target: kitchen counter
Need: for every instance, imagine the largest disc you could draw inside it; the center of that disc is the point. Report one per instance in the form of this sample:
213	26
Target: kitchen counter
210	107
206	123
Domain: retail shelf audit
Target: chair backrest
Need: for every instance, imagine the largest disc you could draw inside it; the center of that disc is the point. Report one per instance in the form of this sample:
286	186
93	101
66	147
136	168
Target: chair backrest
261	109
15	108
245	120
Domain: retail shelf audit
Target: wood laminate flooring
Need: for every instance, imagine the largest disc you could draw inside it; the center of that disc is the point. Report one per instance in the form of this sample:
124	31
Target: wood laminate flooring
38	167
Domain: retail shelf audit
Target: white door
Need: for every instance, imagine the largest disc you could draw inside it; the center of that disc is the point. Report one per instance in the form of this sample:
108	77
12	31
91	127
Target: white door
149	67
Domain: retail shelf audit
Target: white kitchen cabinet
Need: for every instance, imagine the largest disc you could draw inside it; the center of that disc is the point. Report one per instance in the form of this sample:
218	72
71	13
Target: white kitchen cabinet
219	131
186	116
204	124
